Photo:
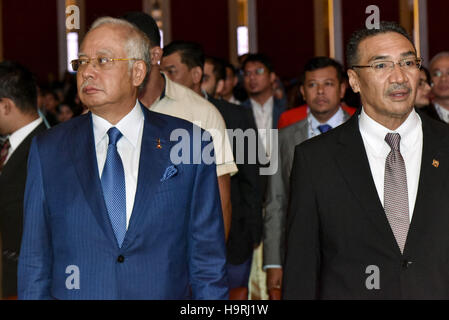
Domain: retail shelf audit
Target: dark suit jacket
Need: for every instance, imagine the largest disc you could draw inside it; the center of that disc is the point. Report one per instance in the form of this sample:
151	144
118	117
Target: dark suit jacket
338	233
174	247
246	198
278	187
12	188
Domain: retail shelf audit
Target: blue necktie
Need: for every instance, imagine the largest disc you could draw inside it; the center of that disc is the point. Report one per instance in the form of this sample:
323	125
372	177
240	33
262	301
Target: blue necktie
113	184
324	128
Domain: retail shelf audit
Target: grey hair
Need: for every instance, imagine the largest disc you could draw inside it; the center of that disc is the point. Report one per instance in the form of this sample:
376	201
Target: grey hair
438	56
137	45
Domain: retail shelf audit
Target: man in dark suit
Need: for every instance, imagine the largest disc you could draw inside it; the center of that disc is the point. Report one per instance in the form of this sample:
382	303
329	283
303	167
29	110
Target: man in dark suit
246	198
19	122
110	211
323	87
259	78
369	210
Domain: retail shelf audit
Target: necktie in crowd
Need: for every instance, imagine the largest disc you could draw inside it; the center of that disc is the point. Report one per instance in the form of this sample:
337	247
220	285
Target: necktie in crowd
113	184
395	191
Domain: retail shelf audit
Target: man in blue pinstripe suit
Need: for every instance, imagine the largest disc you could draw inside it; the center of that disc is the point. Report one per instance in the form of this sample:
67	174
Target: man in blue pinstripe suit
154	235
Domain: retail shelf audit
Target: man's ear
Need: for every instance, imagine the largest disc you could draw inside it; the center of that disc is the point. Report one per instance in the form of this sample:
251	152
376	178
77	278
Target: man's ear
220	87
354	80
197	74
6	106
342	89
301	89
235	81
156	55
272	77
139	72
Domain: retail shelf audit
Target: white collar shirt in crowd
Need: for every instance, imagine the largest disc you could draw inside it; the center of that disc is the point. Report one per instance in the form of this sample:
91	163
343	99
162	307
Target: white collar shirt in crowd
263	115
443	113
313	123
377	150
17	137
128	147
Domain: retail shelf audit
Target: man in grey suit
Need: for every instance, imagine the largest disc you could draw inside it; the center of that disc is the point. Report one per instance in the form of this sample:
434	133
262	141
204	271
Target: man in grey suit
322	86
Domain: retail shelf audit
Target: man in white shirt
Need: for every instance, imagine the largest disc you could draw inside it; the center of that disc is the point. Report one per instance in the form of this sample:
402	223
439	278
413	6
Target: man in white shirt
182	64
258	80
169	96
439	74
19	122
368	203
109	214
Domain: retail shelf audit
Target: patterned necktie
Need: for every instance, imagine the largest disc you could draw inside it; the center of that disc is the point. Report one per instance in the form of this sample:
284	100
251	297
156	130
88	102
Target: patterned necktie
4	153
113	184
324	128
395	191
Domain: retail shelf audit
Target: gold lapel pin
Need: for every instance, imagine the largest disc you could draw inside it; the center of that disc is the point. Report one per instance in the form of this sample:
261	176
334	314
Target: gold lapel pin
435	163
160	147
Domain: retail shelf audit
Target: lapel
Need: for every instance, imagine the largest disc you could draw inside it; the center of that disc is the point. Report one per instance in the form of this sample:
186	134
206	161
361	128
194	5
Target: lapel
152	164
301	131
277	110
346	116
352	160
431	181
84	159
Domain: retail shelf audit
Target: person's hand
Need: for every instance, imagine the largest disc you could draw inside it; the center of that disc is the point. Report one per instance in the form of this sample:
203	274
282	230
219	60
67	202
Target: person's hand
274	282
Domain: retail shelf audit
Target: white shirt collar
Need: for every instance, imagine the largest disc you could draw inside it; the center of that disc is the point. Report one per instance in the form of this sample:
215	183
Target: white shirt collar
442	112
127	125
375	132
16	138
334	122
267	106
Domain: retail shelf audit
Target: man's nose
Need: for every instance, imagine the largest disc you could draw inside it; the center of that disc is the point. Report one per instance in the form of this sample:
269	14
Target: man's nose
90	70
398	74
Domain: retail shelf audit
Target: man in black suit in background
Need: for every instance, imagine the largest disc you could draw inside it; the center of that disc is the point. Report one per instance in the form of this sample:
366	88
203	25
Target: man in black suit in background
246	194
369	211
19	122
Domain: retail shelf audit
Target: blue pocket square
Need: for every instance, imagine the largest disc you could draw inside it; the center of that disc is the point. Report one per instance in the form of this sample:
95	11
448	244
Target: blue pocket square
169	172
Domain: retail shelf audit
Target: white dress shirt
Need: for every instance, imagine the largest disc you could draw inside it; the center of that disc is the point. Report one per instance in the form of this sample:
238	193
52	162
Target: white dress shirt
263	115
443	113
128	147
377	150
16	138
335	121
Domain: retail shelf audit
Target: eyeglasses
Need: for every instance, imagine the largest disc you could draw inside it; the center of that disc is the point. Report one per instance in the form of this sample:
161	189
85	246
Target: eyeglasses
409	64
439	73
258	71
103	62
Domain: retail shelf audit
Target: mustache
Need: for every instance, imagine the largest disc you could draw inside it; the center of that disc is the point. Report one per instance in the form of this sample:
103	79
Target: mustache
88	83
398	86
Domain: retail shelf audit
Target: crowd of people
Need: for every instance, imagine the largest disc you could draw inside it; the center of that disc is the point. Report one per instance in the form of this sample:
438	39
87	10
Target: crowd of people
95	207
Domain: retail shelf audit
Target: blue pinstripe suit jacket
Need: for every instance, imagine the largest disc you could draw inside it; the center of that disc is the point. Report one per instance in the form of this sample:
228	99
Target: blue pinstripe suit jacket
174	247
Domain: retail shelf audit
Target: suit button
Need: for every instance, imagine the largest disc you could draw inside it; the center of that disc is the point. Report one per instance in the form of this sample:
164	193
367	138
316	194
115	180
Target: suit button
406	264
120	259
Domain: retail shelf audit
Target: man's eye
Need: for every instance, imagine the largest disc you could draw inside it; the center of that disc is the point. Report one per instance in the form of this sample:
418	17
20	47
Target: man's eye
311	85
380	65
83	62
103	60
409	63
